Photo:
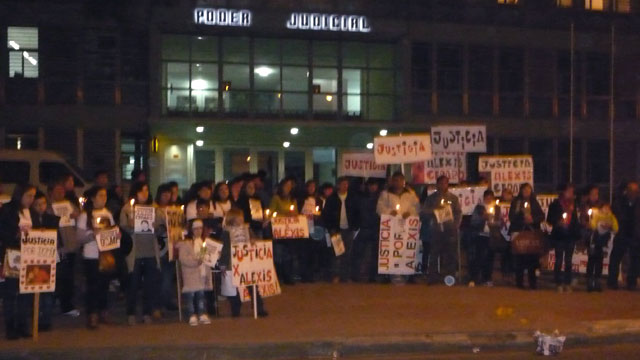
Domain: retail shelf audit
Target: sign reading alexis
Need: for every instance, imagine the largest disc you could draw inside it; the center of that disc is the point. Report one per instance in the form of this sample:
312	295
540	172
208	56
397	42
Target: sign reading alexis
331	22
222	17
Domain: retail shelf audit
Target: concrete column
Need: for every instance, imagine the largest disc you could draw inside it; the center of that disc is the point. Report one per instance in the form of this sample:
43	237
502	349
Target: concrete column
465	79
80	147
434	79
496	81
2	137
253	163
556	163
280	164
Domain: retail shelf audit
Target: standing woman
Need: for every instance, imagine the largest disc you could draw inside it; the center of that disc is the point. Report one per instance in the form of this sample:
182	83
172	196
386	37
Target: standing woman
283	204
144	260
94	218
563	216
221	206
235	190
525	214
309	249
251	205
15	219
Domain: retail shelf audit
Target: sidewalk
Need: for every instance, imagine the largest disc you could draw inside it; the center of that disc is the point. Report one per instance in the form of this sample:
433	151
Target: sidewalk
320	319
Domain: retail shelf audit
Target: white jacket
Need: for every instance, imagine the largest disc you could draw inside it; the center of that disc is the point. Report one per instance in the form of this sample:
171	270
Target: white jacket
408	201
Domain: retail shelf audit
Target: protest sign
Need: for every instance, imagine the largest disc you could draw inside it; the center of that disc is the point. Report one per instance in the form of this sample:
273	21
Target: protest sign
581	258
38	254
265	290
545	200
290	227
255	206
337	244
212	251
175	230
63	210
451	165
239	234
11	264
507	172
504	214
108	239
362	165
144	216
402	149
252	263
398	245
468	196
463	138
443	214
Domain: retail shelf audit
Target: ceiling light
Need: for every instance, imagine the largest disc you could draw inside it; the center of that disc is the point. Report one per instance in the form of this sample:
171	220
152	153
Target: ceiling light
263	71
199	142
294	131
199	129
383	132
329	98
286	144
370	146
14	45
198	84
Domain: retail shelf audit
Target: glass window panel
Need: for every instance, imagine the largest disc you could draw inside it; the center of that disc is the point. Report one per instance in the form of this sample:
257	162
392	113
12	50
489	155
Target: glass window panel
175	47
294	165
380	82
236	50
237	75
266	77
176	75
326	78
352	104
295	103
205	165
354	81
380	108
204	100
204	48
22	38
177	100
354	54
235	162
325	103
267	51
268	162
267	102
204	76
295	78
295	52
381	55
325	53
236	101
31	65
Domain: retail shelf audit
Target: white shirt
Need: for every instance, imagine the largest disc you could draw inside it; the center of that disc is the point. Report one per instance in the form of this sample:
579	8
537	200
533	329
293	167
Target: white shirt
344	222
90	249
221	209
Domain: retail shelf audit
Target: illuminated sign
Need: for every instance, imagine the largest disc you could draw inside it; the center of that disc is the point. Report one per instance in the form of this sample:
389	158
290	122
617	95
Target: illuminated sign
331	22
222	17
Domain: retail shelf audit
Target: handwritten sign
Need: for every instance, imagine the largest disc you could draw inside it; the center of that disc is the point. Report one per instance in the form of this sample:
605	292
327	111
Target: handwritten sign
581	258
63	210
256	209
545	200
398	245
175	228
468	196
252	263
451	165
212	251
362	165
265	290
459	138
402	149
507	172
290	227
38	254
108	239
144	216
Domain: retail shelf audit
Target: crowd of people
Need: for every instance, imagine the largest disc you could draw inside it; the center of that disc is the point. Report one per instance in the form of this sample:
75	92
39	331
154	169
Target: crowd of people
351	208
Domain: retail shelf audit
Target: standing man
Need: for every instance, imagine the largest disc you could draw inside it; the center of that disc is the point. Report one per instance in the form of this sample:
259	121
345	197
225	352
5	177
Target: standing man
366	242
443	230
340	215
627	239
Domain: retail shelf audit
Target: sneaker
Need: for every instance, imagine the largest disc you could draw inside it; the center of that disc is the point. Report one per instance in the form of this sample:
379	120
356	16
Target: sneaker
74	313
204	320
472	284
560	289
488	284
131	320
193	320
147	319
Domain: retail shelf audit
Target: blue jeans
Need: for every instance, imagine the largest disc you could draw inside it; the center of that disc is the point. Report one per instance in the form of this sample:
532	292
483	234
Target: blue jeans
194	301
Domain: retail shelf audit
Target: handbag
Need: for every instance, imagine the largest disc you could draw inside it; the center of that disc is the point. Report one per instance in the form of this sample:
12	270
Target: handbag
528	242
497	242
106	262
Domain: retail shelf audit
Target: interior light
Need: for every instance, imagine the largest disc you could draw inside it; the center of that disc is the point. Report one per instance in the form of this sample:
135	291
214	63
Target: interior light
370	146
199	84
263	71
329	98
199	142
383	132
286	144
14	45
294	131
199	129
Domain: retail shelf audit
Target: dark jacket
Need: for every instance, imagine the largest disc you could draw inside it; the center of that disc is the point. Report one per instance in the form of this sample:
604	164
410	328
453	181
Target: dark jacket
625	211
516	214
369	218
243	204
478	220
9	229
561	233
332	208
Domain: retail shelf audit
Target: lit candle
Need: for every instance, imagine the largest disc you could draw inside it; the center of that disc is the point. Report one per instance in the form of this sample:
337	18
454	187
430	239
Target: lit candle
526	204
291	208
133	201
204	245
497	201
182	207
491	211
397	207
82	200
275	213
590	212
442	202
564	216
317	209
98	220
266	212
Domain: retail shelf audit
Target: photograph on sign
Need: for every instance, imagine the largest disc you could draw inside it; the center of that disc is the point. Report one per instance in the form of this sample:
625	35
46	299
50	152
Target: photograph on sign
63	210
144	217
38	255
211	253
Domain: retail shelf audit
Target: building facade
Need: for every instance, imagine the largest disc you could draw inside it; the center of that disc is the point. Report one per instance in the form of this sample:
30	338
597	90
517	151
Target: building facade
195	90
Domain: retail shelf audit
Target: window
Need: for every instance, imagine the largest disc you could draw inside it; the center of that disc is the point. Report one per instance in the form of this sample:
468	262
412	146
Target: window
542	152
236	162
22	44
598	164
51	171
565	3
508	2
622	6
14	172
597	5
481	81
205	165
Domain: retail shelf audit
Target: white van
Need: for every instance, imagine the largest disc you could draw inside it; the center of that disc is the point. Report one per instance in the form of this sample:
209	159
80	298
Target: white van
36	167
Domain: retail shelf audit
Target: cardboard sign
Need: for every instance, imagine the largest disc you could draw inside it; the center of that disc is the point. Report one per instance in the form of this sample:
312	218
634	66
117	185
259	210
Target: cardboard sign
211	253
362	165
581	258
398	245
443	214
459	138
256	210
252	263
338	244
504	214
468	196
239	234
38	254
108	239
545	200
63	210
507	172
265	290
451	165
175	228
144	216
11	264
290	227
402	149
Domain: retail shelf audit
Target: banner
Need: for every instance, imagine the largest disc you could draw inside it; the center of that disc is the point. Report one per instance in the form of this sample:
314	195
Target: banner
459	138
451	165
38	254
468	196
252	263
398	245
212	251
507	172
108	239
144	216
290	227
63	210
402	149
265	290
175	229
581	258
361	165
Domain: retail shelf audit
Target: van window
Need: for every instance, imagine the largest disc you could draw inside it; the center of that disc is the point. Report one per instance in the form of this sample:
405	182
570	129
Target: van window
13	172
52	171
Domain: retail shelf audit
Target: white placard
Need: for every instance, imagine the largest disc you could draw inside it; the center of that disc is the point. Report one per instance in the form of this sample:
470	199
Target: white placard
63	210
468	197
255	206
402	149
507	172
108	239
338	244
252	263
362	165
451	165
459	138
290	227
398	245
212	251
38	254
175	228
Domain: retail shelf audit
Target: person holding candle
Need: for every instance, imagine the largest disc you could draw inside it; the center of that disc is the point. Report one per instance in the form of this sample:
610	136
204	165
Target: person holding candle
603	224
309	249
626	207
486	221
563	216
251	205
366	242
525	213
167	268
202	191
284	204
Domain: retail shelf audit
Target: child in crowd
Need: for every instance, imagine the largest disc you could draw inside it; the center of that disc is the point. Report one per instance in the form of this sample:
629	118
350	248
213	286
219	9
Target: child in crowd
196	277
603	224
